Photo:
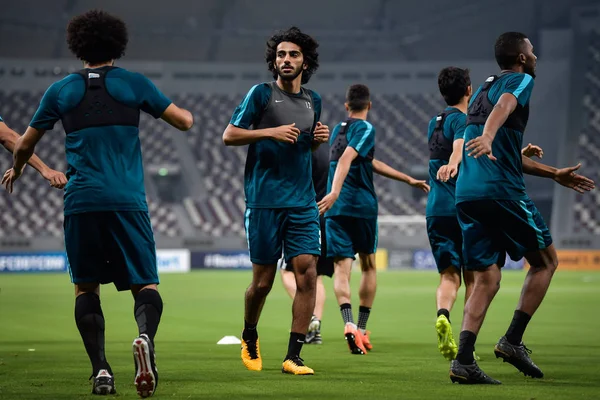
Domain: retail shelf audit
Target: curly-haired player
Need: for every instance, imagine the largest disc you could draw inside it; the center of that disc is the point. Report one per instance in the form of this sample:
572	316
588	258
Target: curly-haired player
108	235
280	122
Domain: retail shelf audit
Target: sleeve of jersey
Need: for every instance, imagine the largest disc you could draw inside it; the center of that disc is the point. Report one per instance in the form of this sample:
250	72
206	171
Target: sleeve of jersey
458	126
48	112
152	100
249	110
520	86
363	138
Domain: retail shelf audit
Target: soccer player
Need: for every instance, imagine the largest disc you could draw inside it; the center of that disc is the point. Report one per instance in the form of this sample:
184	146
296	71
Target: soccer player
8	139
320	170
496	215
445	137
351	209
280	122
108	235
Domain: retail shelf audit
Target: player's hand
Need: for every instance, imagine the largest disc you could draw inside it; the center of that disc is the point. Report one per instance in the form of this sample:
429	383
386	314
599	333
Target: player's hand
9	178
321	133
327	202
419	185
480	146
568	178
446	172
286	133
532	150
56	179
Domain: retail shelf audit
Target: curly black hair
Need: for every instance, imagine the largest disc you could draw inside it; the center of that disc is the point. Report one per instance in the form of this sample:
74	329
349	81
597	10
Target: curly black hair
97	37
453	83
307	45
508	47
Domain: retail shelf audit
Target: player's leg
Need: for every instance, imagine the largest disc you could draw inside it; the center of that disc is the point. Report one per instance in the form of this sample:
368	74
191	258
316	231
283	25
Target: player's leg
482	257
324	267
132	255
469	280
313	336
366	294
534	240
288	280
85	254
340	247
445	239
264	234
445	298
302	249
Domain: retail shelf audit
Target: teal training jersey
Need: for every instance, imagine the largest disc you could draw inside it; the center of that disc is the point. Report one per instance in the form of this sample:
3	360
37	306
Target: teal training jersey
441	201
357	197
278	175
503	179
104	163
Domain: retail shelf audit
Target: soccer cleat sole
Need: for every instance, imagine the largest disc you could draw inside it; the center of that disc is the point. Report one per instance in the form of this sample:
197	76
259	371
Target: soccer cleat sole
354	349
104	389
524	370
145	381
446	344
461	380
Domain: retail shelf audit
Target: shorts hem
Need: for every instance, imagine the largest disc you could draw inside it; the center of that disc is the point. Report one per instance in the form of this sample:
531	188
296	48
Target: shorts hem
263	262
299	253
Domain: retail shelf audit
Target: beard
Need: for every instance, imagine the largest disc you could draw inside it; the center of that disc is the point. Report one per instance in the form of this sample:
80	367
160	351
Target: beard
530	70
289	76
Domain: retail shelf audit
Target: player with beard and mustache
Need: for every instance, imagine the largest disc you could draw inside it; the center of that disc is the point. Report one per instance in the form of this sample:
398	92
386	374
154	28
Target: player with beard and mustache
279	121
495	214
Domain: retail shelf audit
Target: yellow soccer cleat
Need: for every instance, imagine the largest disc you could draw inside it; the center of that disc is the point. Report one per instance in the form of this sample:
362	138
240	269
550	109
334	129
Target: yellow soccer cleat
295	366
251	355
446	343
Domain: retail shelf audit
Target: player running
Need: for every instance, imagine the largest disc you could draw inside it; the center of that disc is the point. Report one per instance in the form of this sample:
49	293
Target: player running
280	122
496	215
351	209
108	234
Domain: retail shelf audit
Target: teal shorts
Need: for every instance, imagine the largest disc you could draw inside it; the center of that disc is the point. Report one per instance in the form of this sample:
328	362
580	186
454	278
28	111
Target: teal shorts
347	236
492	228
295	230
111	246
445	239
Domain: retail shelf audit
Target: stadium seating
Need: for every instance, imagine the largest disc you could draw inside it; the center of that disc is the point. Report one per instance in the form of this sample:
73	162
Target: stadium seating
587	216
36	209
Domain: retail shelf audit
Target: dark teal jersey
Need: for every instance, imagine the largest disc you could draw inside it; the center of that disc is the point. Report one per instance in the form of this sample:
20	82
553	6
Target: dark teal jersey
1	120
441	201
104	163
357	197
278	175
503	179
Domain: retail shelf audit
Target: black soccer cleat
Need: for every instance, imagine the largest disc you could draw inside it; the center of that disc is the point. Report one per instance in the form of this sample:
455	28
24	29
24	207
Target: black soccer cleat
469	374
104	383
518	356
146	374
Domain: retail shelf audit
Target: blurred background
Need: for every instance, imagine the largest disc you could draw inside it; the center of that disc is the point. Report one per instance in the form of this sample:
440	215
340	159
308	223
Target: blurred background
207	54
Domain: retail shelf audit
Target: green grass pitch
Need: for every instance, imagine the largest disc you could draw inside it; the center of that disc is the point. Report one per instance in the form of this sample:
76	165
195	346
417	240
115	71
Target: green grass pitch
42	357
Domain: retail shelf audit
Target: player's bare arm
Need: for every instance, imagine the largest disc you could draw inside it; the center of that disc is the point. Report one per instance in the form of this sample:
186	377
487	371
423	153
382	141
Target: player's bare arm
482	145
451	169
178	117
341	172
235	136
381	168
563	176
321	135
9	140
